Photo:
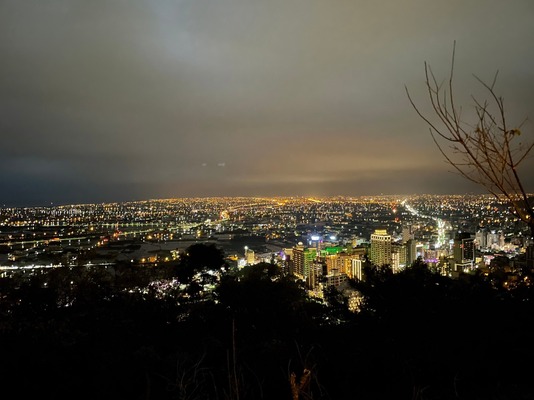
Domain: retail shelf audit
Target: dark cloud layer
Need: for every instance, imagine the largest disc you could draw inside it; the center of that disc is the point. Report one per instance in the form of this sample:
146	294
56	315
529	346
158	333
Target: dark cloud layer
117	100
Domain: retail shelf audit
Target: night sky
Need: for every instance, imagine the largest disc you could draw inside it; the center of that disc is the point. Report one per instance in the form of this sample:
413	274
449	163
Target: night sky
128	100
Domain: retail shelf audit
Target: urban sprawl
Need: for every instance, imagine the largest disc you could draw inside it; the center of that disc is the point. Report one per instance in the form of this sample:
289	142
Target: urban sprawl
323	241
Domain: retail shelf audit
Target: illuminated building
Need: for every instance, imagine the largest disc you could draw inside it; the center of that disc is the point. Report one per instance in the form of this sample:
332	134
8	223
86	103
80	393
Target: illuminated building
315	272
287	261
343	263
380	250
337	263
395	261
481	239
315	241
464	248
495	240
303	258
407	233
463	252
411	252
249	256
356	269
399	255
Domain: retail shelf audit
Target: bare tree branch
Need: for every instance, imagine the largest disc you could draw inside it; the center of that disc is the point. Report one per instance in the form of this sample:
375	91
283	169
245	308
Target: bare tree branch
485	152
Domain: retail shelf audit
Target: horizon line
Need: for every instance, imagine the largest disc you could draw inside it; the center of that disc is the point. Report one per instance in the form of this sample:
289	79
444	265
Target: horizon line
304	197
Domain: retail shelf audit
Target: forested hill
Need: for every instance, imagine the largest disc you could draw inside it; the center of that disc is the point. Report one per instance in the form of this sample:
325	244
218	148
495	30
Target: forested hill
197	329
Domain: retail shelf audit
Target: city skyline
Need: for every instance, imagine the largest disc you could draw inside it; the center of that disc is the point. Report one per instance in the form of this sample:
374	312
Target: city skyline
116	101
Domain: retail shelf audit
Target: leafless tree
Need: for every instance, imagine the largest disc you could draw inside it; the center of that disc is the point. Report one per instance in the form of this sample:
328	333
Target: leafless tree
487	151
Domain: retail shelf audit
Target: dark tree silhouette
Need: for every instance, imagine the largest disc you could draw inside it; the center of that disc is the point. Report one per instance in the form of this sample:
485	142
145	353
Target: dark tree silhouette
418	335
199	257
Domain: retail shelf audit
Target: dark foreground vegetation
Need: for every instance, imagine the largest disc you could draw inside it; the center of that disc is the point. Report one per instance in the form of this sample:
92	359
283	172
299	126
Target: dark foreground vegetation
134	332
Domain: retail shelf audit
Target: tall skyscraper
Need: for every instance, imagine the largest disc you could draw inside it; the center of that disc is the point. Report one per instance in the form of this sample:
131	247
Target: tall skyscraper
481	239
303	258
250	258
407	233
356	269
411	252
398	256
495	240
380	251
464	248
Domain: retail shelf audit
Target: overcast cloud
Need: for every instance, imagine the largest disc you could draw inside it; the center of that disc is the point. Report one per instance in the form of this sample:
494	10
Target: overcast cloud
124	100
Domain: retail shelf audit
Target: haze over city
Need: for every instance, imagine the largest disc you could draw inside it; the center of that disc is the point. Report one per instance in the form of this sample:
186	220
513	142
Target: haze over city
115	101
